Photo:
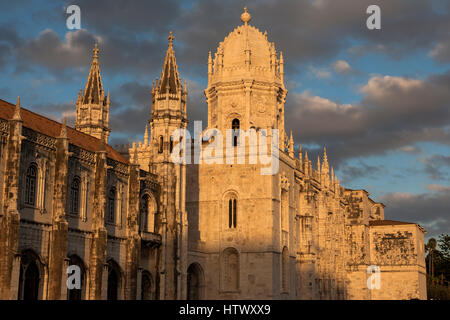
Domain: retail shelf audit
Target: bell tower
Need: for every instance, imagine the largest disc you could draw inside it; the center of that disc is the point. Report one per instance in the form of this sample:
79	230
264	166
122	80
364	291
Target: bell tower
168	114
246	82
92	105
168	107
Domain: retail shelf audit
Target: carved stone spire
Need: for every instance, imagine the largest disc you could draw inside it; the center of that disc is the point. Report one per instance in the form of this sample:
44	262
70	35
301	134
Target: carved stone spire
170	78
92	105
93	92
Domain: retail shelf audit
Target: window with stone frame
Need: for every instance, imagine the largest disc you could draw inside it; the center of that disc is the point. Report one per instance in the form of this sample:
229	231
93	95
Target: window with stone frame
111	214
161	144
75	196
30	185
232	213
235	126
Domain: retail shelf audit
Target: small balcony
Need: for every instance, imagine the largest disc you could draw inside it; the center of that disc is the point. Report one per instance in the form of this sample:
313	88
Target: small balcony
150	239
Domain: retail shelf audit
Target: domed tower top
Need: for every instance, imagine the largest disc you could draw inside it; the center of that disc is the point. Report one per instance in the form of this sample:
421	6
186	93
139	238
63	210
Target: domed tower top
246	53
245	81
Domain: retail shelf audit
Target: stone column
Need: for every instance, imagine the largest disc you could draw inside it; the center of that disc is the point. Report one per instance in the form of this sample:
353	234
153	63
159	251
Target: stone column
15	276
133	247
9	214
104	284
59	229
97	258
64	277
139	284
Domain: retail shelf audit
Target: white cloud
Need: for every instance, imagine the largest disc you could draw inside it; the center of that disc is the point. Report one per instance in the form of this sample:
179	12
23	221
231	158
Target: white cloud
342	67
320	73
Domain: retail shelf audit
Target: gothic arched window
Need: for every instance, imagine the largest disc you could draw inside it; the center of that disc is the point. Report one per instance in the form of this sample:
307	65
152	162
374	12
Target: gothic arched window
232	213
161	142
75	196
235	125
114	281
112	205
230	269
30	185
29	276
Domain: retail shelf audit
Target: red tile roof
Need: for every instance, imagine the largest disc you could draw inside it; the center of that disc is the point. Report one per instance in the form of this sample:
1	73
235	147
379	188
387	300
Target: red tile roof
52	128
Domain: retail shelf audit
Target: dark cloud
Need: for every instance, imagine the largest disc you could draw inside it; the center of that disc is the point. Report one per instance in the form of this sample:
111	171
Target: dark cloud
430	210
130	112
361	170
436	166
441	52
48	50
74	53
58	111
9	39
393	113
124	17
134	33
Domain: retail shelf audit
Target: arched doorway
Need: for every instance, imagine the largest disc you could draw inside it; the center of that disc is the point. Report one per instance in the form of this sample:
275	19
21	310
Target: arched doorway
195	282
146	286
77	294
113	281
29	278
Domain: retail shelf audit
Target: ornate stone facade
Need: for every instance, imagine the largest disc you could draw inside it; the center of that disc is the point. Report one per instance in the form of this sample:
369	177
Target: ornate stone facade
145	227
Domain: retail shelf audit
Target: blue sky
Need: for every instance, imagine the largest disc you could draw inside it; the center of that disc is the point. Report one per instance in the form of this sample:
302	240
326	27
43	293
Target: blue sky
377	99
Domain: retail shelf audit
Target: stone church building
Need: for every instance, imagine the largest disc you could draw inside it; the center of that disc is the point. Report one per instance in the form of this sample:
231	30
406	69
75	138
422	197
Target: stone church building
141	226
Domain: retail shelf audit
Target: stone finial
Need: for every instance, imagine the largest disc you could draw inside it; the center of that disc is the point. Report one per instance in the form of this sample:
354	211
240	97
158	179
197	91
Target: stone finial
16	115
246	17
171	37
63	133
146	136
325	157
318	164
95	51
291	145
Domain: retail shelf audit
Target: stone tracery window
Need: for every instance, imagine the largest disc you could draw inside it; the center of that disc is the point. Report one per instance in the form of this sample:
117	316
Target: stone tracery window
30	185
